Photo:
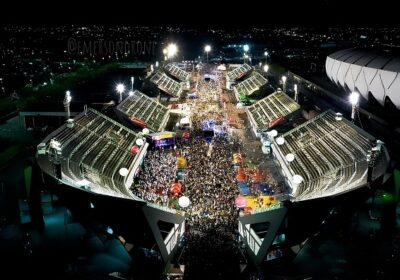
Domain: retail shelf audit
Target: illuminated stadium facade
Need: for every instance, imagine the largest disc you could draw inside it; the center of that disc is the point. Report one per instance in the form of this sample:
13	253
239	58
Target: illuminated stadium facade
374	76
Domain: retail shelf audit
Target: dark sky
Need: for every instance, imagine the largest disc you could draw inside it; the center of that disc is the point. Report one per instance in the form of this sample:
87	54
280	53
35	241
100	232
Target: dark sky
206	13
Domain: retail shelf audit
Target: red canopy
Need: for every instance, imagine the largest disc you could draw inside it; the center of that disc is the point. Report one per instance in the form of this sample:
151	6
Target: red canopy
135	149
176	188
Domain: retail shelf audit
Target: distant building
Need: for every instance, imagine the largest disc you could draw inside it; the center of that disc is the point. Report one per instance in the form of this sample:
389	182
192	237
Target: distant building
375	76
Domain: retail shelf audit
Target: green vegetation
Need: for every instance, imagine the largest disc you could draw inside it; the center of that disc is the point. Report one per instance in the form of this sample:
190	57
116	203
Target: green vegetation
33	96
276	69
9	153
396	174
28	179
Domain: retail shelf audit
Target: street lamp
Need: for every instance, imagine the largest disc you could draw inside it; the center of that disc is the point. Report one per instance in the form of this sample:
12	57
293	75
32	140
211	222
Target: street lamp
284	83
354	97
172	50
296	93
67	101
132	82
266	68
244	57
245	49
120	89
207	49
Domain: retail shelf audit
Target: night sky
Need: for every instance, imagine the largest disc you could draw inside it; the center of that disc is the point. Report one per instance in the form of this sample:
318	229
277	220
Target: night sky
206	13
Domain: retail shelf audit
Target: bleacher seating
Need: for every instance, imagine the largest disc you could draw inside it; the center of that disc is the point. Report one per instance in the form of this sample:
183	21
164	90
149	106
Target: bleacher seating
166	84
330	155
239	72
270	108
250	85
95	149
177	72
144	108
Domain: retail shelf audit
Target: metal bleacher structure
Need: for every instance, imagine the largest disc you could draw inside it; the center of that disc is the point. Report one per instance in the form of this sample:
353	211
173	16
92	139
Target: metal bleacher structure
250	85
92	153
270	108
140	106
330	154
239	72
166	84
177	72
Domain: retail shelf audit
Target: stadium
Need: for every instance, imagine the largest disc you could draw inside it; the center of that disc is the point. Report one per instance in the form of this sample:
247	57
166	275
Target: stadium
374	75
190	187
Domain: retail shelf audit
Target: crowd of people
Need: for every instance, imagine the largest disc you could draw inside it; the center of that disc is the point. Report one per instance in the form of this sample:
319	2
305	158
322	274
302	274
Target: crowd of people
209	183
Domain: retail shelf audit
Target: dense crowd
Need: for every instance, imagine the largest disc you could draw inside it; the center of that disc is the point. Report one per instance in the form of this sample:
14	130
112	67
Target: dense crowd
211	236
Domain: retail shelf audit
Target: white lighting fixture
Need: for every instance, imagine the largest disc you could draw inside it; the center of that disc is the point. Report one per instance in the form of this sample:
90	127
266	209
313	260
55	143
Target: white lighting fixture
297	179
123	171
184	201
289	157
273	133
280	140
354	96
139	142
338	116
172	50
145	131
120	88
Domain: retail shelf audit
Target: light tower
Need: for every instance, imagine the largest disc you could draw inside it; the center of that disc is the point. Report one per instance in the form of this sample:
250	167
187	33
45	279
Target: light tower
266	68
120	89
354	97
207	49
296	93
245	49
171	51
67	101
284	83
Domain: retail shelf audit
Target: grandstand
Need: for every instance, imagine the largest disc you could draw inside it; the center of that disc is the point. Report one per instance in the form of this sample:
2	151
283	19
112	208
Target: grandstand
166	84
239	72
177	72
330	155
250	85
276	106
91	154
138	108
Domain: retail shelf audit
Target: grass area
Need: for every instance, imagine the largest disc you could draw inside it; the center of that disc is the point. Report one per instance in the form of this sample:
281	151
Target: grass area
9	153
33	96
277	69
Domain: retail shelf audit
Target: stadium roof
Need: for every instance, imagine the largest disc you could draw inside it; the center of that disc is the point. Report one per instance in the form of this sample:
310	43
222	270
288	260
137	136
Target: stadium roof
92	154
177	72
271	108
366	72
330	155
145	109
239	72
167	84
250	85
